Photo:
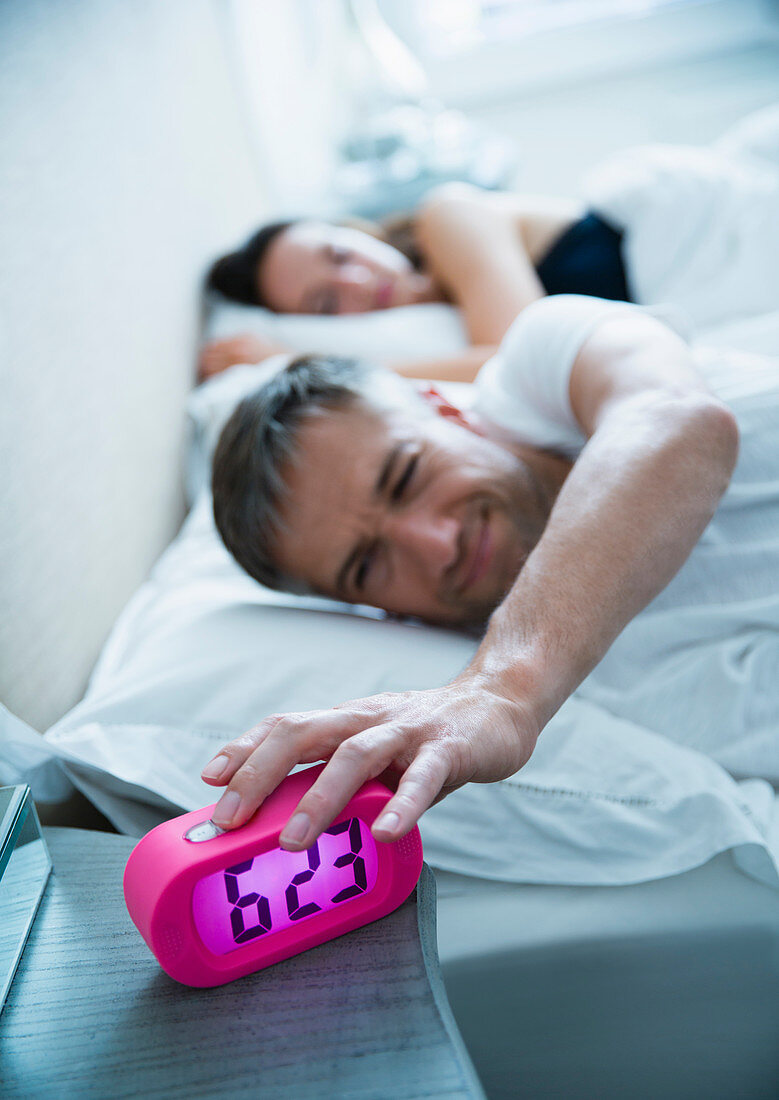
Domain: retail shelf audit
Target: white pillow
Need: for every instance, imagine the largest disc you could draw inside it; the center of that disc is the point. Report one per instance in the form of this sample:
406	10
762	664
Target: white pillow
208	409
202	652
413	332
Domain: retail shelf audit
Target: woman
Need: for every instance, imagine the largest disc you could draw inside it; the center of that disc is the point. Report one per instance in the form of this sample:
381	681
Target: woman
488	253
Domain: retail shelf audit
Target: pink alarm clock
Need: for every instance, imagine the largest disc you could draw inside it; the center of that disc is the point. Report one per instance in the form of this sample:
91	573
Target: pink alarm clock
214	905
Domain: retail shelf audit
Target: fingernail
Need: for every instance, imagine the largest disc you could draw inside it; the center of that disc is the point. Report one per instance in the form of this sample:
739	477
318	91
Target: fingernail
388	823
216	767
296	830
226	808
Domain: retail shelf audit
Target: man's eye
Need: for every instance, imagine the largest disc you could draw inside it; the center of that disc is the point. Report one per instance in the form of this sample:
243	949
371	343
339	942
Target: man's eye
405	480
339	255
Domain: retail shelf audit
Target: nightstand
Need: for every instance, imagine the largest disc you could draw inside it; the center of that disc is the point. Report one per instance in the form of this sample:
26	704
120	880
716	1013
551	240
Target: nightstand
91	1014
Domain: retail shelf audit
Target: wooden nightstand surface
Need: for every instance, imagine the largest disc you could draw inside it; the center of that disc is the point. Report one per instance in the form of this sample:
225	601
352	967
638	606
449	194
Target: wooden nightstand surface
91	1014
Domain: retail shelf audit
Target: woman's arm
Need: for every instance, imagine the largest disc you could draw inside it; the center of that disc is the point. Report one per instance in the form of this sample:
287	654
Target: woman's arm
219	355
454	368
473	246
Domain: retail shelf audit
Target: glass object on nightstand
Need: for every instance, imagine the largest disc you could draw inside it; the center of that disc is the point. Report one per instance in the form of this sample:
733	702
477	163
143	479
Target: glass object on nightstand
25	865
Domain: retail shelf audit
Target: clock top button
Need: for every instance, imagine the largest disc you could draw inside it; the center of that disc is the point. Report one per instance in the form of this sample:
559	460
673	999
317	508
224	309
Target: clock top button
205	830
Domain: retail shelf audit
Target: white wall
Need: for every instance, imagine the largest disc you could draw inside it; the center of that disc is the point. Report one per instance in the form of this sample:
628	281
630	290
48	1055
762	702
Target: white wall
551	53
123	171
289	56
562	132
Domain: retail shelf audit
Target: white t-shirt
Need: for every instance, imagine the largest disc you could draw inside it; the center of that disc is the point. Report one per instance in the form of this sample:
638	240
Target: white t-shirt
525	387
701	662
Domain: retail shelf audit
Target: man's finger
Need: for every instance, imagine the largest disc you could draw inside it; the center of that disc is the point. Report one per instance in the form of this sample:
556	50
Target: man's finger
289	740
418	789
224	765
358	759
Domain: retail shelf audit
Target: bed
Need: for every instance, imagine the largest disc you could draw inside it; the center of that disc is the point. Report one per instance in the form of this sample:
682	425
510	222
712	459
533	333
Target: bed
626	943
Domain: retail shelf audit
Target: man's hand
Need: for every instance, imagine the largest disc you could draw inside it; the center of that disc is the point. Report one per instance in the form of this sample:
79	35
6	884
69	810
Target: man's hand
424	744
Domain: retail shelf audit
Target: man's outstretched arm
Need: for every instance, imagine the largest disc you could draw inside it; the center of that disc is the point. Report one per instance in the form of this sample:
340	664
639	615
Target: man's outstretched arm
659	456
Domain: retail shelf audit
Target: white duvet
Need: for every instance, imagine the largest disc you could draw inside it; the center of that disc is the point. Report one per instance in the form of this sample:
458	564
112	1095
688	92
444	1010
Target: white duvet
660	761
701	225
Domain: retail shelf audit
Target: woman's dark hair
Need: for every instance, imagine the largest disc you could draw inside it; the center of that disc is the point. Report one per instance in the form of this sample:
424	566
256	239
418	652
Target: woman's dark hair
235	275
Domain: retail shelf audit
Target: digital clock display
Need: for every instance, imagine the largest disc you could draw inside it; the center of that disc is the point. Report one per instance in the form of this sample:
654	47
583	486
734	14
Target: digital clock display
267	893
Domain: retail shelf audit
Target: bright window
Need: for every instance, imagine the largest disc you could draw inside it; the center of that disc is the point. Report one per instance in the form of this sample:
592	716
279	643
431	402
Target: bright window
444	27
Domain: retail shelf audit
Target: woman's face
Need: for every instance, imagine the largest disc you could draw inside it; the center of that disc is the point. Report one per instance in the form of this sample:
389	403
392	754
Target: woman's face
313	267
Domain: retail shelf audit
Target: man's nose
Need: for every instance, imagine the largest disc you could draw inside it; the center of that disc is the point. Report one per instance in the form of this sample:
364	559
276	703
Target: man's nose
432	540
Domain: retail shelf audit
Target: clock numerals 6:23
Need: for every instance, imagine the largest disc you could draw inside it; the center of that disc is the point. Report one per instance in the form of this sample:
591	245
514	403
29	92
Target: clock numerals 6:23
243	933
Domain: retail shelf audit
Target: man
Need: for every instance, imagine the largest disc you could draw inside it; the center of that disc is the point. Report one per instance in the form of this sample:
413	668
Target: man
554	511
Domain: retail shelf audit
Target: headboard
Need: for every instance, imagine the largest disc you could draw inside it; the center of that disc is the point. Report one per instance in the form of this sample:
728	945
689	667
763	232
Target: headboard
126	164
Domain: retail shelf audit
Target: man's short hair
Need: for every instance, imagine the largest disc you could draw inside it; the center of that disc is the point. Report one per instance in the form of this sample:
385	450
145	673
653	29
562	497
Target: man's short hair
259	439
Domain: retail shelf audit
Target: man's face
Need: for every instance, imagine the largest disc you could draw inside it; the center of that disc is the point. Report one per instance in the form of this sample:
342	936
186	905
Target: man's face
409	511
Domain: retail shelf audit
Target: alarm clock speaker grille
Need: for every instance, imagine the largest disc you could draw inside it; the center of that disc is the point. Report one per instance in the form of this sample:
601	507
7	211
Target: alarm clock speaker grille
169	943
408	846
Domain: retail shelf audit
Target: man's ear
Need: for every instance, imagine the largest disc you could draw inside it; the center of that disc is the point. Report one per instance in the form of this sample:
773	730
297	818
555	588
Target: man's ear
445	408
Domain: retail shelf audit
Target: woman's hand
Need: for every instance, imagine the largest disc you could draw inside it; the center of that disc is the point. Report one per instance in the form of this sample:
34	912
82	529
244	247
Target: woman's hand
218	355
424	744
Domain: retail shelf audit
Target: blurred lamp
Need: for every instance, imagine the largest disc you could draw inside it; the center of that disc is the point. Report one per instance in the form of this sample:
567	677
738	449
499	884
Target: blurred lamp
401	140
